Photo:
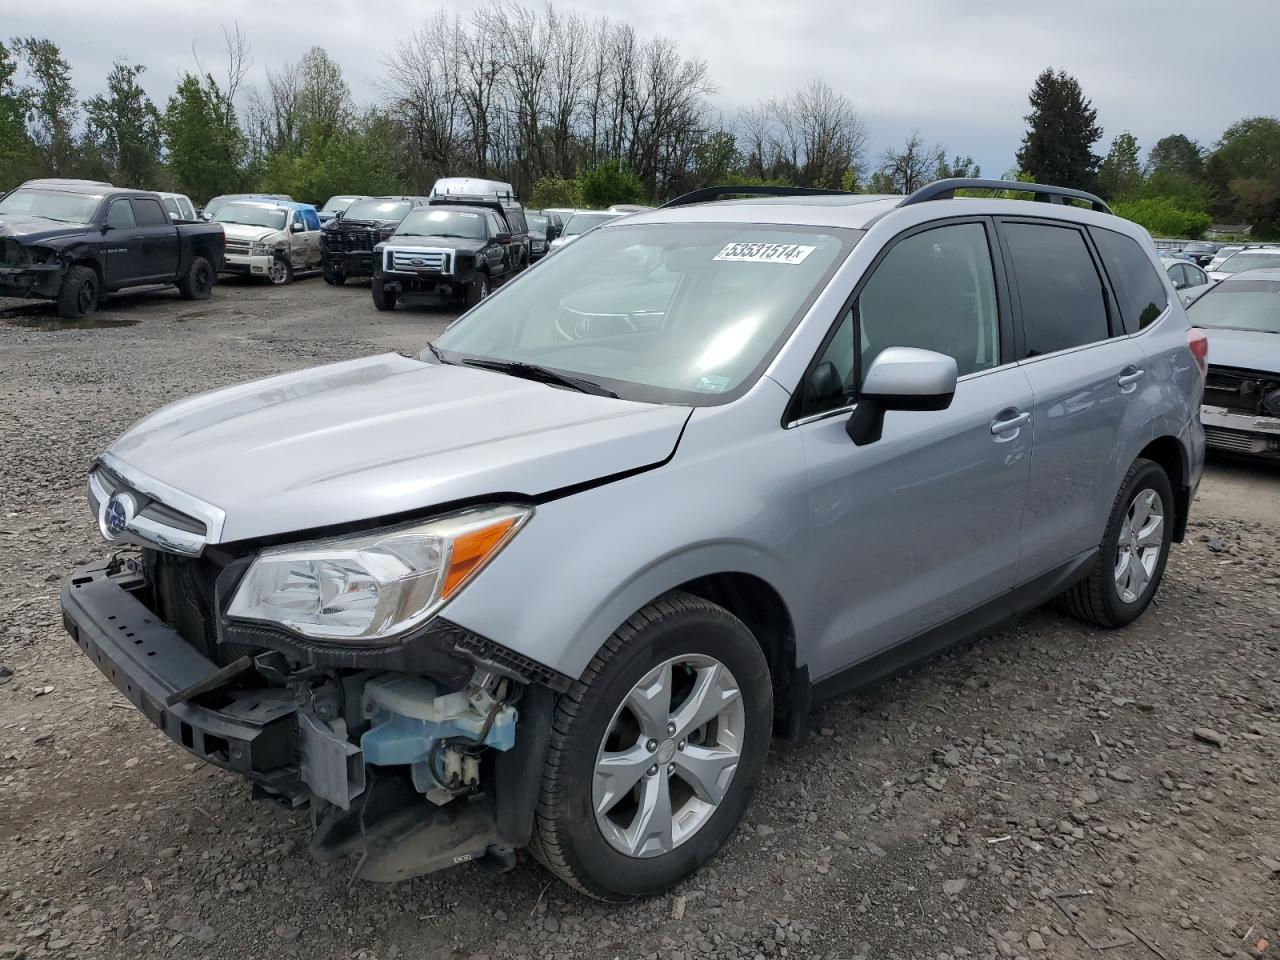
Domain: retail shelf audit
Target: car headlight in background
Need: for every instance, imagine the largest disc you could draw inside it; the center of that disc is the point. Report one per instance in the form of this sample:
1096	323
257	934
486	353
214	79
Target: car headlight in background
371	587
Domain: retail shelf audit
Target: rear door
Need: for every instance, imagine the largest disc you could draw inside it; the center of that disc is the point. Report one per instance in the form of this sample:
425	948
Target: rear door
160	239
124	253
922	525
1086	375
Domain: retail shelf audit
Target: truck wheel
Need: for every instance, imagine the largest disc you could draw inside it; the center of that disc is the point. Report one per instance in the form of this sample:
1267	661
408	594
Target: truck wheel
198	281
281	271
654	754
1133	554
383	299
477	289
334	279
79	294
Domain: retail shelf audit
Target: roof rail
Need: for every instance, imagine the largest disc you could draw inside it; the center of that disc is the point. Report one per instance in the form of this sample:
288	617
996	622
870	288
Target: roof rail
715	193
946	190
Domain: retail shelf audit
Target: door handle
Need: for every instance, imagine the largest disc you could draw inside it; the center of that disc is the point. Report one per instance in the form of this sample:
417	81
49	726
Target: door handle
1129	376
1007	420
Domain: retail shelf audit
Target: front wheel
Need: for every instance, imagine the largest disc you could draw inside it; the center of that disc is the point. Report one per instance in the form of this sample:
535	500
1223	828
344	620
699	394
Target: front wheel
79	294
477	289
1133	553
654	755
383	299
335	279
280	271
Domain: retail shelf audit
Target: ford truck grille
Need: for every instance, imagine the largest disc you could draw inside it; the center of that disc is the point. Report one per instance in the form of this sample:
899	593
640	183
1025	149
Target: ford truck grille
420	261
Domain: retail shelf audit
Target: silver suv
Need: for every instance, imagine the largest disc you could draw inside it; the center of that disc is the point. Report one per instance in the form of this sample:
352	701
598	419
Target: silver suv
555	583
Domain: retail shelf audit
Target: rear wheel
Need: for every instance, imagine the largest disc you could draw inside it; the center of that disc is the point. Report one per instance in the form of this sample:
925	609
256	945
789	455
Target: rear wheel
197	283
383	299
79	294
654	755
281	271
1133	554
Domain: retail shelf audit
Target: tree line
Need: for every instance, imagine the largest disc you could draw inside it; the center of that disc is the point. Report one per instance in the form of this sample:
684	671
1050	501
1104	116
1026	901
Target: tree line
572	110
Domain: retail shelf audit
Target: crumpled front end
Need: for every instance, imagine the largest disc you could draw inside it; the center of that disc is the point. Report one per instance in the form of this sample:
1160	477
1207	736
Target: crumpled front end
28	271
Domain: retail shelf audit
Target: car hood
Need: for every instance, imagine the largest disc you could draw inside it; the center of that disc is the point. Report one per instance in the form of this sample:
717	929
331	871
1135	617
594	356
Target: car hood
36	229
386	435
1243	349
242	231
460	244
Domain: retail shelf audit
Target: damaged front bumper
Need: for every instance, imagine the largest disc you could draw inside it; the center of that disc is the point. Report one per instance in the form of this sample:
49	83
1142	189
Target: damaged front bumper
31	280
407	775
1231	431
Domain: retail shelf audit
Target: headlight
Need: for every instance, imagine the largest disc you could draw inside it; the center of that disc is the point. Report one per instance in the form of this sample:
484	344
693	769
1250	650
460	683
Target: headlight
259	250
372	587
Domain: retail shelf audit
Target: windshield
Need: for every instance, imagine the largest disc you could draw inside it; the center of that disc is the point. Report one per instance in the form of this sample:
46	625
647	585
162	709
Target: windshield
252	215
582	222
668	313
51	205
1248	260
377	210
1224	252
538	223
337	204
1243	304
442	223
1198	248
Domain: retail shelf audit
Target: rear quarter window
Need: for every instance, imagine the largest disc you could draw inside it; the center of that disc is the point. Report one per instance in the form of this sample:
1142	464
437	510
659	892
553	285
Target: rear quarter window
1137	285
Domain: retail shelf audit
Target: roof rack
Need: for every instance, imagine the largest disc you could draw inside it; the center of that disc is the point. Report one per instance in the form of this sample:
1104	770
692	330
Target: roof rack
946	190
715	193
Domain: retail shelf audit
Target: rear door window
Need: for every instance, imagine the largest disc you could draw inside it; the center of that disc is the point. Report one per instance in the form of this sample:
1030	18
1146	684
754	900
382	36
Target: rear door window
1059	288
1137	286
148	212
312	219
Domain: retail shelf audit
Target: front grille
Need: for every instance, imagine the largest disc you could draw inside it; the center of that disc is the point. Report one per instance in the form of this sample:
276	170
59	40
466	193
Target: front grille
1223	438
351	240
415	261
1240	391
238	246
150	508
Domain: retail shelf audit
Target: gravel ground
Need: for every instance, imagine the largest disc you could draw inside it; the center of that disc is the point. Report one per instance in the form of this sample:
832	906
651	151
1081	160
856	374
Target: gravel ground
1044	789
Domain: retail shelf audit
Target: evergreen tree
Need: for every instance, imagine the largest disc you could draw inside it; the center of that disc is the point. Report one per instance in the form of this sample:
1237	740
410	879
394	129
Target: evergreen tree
1062	129
1119	176
206	147
18	159
1177	153
124	126
52	107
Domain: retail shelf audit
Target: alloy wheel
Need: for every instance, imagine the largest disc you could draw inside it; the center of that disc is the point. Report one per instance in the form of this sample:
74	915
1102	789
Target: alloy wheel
1140	542
279	271
668	755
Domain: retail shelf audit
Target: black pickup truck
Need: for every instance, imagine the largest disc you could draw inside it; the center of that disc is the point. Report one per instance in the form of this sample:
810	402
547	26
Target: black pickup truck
347	242
76	242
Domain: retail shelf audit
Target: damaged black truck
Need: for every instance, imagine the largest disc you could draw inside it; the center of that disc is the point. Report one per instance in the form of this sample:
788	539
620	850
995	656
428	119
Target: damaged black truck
75	242
347	242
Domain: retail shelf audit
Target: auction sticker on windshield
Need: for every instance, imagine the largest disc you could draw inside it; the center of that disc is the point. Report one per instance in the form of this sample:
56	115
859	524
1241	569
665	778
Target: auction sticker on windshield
764	253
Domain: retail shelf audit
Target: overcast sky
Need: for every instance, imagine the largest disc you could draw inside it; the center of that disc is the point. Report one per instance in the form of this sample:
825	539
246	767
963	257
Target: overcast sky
958	71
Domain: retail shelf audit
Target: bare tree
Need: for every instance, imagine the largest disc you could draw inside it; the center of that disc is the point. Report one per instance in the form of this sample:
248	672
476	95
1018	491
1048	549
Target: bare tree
913	166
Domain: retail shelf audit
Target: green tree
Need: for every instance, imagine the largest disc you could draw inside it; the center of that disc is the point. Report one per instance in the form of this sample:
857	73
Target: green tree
555	192
1163	217
1177	153
206	147
716	159
1119	176
957	167
1217	178
881	182
52	107
609	183
1062	129
124	127
1251	148
18	158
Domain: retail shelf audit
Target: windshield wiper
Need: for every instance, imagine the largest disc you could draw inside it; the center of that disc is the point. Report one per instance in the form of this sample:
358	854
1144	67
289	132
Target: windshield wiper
531	371
435	352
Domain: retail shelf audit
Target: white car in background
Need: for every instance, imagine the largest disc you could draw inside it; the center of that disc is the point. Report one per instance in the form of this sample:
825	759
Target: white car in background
1249	258
580	223
336	207
1188	279
180	207
1222	254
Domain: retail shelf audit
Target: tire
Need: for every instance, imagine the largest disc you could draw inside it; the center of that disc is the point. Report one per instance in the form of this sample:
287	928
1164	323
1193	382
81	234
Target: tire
198	281
478	289
334	279
383	299
281	271
1112	599
586	851
79	294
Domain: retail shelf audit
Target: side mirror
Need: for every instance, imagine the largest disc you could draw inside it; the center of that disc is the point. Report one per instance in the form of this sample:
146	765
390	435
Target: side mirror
901	378
297	227
502	237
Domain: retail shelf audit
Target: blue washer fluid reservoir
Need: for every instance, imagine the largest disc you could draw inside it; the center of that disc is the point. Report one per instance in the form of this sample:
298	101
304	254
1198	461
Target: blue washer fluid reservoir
408	714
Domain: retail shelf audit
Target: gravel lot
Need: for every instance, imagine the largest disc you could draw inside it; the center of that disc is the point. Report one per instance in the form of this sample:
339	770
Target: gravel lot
1042	789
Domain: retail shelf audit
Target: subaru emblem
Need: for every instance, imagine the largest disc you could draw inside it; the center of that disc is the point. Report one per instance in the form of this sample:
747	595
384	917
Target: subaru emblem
117	514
